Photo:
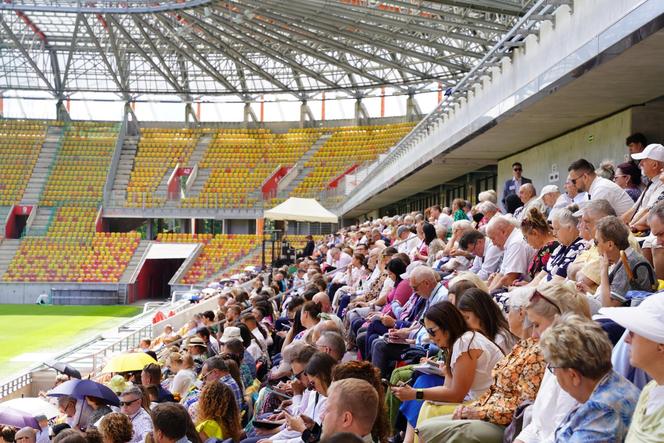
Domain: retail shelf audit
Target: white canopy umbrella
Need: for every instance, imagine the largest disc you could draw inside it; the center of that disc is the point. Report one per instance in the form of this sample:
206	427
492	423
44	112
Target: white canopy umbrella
301	210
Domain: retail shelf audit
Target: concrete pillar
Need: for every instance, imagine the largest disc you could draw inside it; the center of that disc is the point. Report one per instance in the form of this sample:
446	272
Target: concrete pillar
61	111
361	114
305	114
189	114
249	114
413	111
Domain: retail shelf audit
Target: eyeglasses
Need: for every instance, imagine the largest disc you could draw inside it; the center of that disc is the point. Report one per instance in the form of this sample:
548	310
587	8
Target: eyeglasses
573	180
538	295
432	331
204	376
127	403
298	375
517	169
551	369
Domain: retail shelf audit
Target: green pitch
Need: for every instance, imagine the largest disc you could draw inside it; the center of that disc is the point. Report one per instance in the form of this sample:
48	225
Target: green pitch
34	333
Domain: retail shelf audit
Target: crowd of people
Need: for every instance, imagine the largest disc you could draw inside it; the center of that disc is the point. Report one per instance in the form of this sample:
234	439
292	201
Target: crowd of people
532	319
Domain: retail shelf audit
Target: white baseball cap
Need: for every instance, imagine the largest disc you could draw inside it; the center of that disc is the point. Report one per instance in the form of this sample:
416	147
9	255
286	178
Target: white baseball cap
548	189
653	151
646	319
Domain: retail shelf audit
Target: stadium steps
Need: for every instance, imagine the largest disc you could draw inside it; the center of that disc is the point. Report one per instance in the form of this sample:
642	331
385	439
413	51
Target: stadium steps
43	166
200	149
201	178
162	190
134	262
8	248
4	212
125	165
305	171
39	225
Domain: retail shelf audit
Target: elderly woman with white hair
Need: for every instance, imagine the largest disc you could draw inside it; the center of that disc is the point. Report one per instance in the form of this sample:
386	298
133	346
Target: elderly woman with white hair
578	353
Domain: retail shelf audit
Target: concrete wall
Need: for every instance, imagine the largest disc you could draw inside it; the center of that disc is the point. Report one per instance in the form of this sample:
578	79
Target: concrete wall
241	226
596	142
27	293
649	120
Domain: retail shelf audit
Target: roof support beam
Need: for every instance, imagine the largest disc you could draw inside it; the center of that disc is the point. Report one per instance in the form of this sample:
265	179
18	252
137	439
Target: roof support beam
199	60
104	58
26	54
249	40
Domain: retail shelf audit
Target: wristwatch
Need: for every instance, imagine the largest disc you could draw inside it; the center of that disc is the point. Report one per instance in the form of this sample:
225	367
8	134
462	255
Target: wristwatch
419	394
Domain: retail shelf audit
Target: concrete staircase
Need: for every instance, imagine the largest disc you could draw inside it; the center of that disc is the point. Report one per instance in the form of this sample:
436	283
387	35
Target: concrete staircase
303	160
41	170
201	179
4	212
135	261
8	248
195	158
162	190
200	150
125	166
39	225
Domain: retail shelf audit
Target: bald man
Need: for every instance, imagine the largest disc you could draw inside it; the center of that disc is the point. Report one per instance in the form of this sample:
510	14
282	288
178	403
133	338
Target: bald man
517	254
352	407
528	196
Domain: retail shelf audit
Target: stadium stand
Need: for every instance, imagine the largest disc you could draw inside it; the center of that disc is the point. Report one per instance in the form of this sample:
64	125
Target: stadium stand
219	252
159	150
20	145
82	164
348	146
102	258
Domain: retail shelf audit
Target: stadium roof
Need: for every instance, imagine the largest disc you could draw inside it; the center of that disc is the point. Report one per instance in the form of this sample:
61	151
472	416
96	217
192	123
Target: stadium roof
245	48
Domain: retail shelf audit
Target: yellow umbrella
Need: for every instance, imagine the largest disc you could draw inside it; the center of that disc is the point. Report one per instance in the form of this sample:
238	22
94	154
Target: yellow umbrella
131	361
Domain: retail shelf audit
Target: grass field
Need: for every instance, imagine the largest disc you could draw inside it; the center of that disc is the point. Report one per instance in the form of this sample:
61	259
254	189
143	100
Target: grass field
31	333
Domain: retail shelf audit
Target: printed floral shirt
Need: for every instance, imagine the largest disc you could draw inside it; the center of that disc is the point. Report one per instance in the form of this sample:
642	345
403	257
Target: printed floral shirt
541	258
516	378
605	417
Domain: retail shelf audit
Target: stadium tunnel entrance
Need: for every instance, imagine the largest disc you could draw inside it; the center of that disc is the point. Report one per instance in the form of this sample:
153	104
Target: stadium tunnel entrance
164	264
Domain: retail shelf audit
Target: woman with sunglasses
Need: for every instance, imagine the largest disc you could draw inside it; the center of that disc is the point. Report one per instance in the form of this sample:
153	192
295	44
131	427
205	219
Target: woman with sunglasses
470	356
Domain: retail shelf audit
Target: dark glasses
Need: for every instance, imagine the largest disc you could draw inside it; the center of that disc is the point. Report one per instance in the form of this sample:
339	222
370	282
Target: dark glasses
127	403
432	331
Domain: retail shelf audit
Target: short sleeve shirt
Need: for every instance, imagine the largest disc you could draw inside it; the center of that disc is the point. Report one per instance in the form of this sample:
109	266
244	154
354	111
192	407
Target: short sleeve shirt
517	254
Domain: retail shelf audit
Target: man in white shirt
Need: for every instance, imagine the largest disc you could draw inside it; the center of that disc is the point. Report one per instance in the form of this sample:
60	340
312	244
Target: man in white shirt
487	255
339	258
517	255
131	405
407	239
571	196
528	196
582	175
651	164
